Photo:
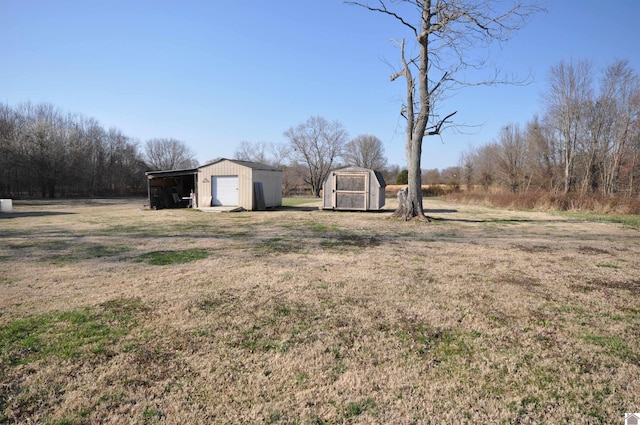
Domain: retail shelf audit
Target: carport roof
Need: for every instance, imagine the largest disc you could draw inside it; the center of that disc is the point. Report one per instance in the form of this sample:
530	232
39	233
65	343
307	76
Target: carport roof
171	173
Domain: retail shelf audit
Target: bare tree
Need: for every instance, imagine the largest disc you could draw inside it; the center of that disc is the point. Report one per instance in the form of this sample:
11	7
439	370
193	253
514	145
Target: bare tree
266	153
317	143
255	152
365	151
621	90
568	100
542	156
169	154
510	163
447	33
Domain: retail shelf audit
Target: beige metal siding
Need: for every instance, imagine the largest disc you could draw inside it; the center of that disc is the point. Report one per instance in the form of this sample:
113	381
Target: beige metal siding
271	182
225	168
272	186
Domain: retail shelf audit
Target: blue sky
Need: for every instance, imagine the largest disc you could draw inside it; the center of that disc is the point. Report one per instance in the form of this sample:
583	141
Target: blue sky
214	73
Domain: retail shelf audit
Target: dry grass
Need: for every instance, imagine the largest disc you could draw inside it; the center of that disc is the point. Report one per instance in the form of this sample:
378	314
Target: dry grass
311	317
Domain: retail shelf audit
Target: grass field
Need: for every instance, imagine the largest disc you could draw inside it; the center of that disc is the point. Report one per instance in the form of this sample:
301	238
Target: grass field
110	313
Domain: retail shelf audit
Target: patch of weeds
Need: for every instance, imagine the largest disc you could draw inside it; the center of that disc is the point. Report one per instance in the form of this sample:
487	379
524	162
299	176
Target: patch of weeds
323	228
100	251
351	239
57	260
7	281
592	250
614	345
278	417
151	414
534	249
47	244
123	309
120	229
284	326
445	235
30	339
277	246
354	409
214	302
255	339
629	285
608	265
439	344
65	334
163	258
526	406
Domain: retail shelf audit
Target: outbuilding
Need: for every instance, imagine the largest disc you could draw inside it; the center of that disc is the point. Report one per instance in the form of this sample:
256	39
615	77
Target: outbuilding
353	188
223	182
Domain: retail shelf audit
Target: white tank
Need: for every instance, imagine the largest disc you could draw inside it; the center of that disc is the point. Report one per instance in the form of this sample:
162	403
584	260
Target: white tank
6	205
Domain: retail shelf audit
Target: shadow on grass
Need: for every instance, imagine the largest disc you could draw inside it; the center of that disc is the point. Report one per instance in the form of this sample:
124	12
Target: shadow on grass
32	214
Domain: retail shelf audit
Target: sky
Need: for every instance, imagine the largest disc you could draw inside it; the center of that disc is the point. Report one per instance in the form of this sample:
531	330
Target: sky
218	72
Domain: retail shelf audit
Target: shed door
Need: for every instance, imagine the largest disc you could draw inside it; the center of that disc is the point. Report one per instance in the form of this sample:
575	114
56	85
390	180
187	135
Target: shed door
224	190
351	191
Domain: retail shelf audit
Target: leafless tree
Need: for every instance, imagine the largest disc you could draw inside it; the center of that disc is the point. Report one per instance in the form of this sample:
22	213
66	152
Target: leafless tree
365	151
511	161
317	143
621	90
568	101
169	154
252	151
542	156
447	33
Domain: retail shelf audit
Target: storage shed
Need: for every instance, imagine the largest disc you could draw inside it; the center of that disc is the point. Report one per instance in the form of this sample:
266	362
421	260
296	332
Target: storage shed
224	182
353	188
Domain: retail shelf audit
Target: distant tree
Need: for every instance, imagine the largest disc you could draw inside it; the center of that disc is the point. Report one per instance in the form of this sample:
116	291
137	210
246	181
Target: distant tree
316	143
274	154
511	160
169	154
451	38
365	151
390	173
403	177
568	100
252	151
431	176
451	176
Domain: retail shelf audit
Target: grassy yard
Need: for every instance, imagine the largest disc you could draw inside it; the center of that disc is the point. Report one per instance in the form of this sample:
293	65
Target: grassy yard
110	313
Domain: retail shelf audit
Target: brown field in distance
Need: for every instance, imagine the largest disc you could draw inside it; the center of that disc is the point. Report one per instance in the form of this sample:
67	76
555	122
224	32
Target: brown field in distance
110	313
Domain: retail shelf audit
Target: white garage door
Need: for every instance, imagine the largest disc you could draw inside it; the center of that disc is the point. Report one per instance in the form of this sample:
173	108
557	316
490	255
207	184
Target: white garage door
224	190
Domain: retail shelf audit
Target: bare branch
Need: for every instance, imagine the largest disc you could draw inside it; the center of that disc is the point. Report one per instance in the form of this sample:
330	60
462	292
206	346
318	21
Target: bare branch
438	127
383	9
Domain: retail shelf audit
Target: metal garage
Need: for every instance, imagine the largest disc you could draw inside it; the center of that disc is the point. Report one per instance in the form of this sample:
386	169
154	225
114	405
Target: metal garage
231	182
224	182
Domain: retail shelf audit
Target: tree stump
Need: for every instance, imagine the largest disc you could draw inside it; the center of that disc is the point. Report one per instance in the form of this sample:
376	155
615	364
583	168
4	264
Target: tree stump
402	210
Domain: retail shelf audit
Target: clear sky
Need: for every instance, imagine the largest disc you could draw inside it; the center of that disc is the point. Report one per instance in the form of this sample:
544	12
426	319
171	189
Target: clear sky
214	73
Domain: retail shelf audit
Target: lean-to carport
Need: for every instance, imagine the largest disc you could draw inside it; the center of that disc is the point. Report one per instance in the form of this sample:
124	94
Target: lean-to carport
172	189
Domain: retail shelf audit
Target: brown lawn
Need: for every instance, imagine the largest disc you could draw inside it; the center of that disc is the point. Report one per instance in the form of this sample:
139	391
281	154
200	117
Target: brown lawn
110	313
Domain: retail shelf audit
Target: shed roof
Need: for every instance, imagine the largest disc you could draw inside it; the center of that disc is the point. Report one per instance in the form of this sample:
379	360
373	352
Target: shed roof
171	173
249	164
377	174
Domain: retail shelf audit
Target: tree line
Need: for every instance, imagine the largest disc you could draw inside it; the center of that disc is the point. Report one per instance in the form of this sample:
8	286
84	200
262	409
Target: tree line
45	152
586	140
